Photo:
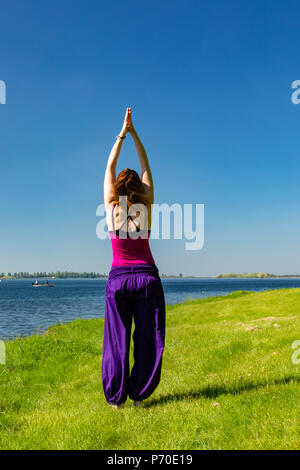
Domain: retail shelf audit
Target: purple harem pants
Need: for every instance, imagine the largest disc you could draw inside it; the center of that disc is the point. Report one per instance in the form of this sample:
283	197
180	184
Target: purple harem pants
132	291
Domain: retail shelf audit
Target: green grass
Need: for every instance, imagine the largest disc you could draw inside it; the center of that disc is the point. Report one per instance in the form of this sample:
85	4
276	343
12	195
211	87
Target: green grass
228	382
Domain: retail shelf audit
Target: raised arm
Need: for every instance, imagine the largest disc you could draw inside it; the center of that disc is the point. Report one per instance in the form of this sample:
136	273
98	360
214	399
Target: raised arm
146	175
110	172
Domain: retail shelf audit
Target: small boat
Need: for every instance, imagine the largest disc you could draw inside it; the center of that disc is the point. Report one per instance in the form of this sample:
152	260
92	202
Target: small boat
42	284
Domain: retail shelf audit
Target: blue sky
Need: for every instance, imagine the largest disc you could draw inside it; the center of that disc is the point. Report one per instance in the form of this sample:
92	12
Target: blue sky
209	84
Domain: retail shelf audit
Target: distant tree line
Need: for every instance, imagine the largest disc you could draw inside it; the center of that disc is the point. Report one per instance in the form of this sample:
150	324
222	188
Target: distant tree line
66	275
56	275
93	275
257	275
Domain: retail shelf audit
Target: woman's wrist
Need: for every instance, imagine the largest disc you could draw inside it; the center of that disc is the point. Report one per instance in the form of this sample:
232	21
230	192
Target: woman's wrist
122	134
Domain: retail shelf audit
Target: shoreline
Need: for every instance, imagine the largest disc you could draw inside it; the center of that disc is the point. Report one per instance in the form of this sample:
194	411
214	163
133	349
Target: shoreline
197	300
42	332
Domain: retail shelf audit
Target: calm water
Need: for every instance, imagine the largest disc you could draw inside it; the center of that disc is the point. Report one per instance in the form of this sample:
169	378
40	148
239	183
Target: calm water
24	310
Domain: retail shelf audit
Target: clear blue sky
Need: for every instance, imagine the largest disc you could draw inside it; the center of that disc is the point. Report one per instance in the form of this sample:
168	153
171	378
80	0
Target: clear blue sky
209	84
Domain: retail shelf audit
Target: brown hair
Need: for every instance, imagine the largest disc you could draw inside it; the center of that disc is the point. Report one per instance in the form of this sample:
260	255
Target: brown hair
129	184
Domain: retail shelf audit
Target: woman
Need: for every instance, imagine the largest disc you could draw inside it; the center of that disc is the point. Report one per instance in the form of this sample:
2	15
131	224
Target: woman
133	288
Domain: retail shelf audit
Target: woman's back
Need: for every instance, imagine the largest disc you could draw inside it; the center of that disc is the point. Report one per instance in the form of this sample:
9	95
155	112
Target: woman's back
129	246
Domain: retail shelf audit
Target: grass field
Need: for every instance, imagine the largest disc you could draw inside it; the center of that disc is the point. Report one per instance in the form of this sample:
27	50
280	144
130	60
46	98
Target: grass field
228	382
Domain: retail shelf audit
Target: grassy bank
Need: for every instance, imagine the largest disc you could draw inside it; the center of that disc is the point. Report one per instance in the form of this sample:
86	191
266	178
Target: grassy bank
228	382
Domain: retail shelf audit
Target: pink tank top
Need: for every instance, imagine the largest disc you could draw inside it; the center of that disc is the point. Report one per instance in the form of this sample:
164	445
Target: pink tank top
130	250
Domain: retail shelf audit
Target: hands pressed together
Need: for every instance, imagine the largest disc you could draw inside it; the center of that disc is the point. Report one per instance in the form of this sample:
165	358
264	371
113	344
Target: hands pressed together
127	124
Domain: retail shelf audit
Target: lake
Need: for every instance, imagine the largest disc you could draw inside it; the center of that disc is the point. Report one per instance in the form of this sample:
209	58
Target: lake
24	310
